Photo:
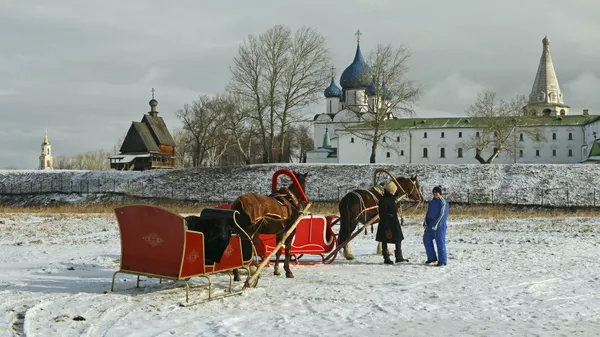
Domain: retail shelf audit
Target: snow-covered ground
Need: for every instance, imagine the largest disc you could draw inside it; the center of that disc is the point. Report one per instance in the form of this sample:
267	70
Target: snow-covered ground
533	277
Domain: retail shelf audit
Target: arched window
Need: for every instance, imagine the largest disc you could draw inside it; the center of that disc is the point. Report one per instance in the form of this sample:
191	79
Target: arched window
402	152
537	153
460	135
460	152
442	135
424	134
521	137
387	154
352	140
521	153
398	138
554	153
570	153
384	139
477	134
570	136
554	136
442	153
424	152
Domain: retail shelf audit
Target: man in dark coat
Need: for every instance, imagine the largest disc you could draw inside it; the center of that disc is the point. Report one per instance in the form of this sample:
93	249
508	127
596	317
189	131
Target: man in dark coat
389	230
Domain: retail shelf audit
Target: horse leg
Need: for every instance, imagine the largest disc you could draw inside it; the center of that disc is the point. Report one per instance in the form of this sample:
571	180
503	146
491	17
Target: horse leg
288	255
348	252
276	265
236	275
380	250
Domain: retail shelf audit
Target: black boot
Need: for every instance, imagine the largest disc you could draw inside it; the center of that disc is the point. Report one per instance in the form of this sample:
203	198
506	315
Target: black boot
386	257
399	257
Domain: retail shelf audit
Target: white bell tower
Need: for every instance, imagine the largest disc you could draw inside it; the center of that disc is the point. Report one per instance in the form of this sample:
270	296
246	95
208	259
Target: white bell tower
46	156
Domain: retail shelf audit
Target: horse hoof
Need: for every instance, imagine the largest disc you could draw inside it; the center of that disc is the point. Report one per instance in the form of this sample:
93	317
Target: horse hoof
276	273
237	279
350	258
289	275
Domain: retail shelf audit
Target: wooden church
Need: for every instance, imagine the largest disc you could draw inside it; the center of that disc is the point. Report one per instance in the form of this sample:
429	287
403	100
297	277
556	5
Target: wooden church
147	145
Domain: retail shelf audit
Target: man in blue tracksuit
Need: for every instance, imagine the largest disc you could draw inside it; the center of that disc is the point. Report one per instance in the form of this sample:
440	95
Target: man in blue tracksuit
435	228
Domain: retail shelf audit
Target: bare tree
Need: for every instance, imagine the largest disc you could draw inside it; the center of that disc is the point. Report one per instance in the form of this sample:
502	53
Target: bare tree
203	120
301	142
238	123
183	144
92	160
392	94
498	121
277	74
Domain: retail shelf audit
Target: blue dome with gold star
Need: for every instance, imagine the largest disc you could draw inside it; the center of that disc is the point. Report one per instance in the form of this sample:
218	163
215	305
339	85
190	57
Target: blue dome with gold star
358	74
332	90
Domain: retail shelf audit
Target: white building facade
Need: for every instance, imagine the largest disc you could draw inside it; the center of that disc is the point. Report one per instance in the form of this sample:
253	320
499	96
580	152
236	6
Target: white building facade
564	138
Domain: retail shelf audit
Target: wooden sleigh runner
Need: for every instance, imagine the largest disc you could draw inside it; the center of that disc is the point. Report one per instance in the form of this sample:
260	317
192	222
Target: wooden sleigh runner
157	243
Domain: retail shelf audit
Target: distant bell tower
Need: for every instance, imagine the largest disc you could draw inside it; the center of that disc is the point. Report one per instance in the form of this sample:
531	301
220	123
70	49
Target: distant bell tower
545	98
46	156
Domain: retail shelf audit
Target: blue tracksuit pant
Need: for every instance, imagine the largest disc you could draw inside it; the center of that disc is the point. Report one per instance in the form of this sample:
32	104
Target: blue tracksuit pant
439	235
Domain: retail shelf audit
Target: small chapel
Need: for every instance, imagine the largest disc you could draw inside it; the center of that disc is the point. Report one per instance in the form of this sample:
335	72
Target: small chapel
147	145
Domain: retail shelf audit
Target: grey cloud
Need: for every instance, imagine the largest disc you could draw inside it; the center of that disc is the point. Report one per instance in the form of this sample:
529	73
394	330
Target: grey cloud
84	69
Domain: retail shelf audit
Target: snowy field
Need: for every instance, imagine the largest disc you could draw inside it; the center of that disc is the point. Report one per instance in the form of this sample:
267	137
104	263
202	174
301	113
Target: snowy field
521	277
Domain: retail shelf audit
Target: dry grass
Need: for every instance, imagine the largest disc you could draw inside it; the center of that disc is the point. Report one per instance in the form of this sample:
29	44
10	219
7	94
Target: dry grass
456	211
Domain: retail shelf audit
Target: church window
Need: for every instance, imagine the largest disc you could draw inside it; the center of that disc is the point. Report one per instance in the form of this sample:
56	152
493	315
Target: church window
554	136
570	136
460	152
442	153
387	154
570	153
553	153
425	135
384	139
460	135
477	134
398	138
352	140
521	137
402	152
541	96
442	135
330	106
562	112
521	153
424	152
537	153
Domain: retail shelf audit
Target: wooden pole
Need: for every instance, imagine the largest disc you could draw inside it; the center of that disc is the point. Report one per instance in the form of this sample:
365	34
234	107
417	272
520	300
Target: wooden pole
266	260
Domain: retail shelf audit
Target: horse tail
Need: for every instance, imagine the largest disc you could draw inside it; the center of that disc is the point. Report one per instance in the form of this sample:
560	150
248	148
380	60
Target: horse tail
348	221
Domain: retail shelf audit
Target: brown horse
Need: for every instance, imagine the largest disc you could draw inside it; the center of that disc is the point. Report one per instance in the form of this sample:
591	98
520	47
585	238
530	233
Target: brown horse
273	214
360	206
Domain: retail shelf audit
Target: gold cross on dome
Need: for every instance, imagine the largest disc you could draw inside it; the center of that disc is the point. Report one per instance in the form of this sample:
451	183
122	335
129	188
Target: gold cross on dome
358	34
332	71
152	93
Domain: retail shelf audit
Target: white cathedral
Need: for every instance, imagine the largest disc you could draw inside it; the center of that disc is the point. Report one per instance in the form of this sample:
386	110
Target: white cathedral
569	138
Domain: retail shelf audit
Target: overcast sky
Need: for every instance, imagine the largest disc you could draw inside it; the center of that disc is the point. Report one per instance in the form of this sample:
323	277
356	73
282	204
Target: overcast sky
84	69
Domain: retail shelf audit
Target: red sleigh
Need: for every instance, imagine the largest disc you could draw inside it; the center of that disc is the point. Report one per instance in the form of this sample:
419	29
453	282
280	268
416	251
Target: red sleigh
156	243
314	236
